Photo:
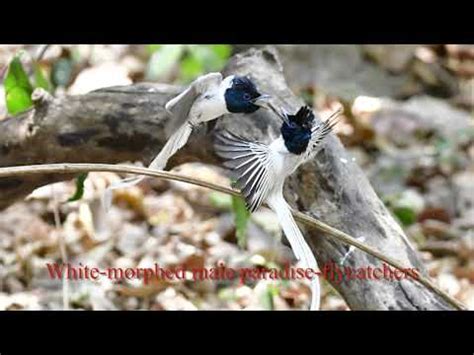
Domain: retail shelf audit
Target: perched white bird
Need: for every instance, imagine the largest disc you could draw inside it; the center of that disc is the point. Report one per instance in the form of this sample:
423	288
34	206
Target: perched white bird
207	98
261	171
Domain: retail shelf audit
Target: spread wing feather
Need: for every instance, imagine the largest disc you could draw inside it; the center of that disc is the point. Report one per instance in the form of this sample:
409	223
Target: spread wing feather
251	165
320	131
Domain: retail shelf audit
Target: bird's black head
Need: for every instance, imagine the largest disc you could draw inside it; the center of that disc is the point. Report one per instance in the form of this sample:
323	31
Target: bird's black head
243	97
296	131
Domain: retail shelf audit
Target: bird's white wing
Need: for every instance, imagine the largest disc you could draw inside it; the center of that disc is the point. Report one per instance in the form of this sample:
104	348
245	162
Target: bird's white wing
177	131
320	131
250	162
179	106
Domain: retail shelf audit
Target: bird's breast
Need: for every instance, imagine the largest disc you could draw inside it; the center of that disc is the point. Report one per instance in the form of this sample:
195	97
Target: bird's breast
284	163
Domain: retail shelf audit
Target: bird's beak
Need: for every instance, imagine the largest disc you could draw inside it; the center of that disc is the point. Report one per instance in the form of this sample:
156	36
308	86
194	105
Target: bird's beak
263	101
282	116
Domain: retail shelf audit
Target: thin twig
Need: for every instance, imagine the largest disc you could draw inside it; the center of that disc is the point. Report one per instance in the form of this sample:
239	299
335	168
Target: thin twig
334	233
3	71
41	52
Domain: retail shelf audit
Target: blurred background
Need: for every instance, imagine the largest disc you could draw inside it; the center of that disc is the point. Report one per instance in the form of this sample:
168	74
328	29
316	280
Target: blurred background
408	123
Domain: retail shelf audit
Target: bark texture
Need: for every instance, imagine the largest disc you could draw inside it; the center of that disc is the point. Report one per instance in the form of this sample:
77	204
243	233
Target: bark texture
127	124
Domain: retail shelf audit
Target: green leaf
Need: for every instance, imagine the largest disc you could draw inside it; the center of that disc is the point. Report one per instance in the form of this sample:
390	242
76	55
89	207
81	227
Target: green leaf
223	51
16	76
152	48
191	68
220	200
198	51
18	100
212	58
163	60
79	187
406	215
241	218
40	80
18	89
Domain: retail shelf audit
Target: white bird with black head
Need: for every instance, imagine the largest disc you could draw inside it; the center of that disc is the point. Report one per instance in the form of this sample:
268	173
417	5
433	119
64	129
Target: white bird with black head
206	99
260	171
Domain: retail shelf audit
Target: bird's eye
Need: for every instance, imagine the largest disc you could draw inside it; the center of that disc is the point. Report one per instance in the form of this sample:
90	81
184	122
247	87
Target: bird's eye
246	96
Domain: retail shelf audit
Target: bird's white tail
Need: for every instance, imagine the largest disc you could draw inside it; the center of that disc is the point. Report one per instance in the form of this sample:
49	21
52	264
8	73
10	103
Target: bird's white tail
174	143
298	244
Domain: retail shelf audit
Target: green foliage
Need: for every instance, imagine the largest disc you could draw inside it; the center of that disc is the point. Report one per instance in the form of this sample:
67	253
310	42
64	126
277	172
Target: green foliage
241	214
406	215
404	206
18	100
222	51
79	188
241	218
191	67
40	79
152	48
191	60
163	59
211	57
18	89
220	200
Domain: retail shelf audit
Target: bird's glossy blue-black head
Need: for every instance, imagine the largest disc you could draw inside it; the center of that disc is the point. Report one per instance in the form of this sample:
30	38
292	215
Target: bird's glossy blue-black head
296	131
241	96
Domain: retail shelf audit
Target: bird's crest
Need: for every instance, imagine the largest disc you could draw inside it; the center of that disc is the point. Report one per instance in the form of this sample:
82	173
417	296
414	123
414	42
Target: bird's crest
304	117
244	82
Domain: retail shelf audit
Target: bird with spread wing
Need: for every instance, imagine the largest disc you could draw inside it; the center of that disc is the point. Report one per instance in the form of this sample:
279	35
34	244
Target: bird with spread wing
260	171
206	99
